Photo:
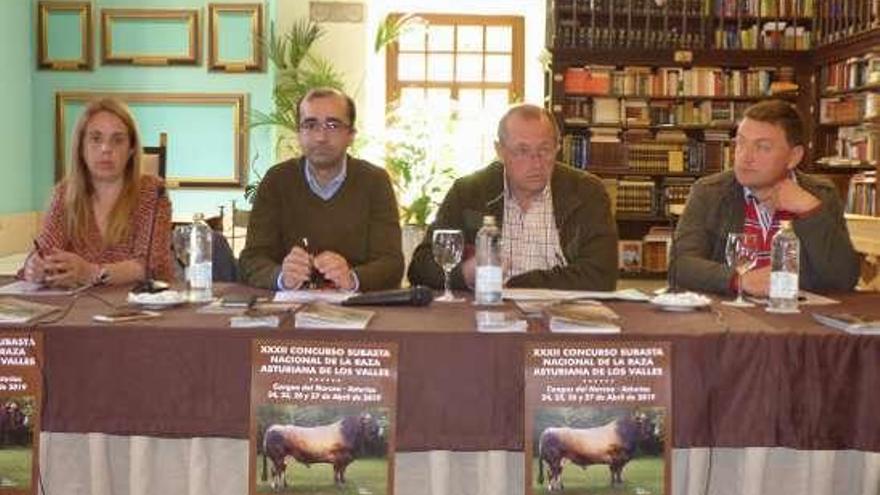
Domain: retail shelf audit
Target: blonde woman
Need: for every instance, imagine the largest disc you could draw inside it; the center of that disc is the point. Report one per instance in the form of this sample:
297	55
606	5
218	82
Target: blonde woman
97	229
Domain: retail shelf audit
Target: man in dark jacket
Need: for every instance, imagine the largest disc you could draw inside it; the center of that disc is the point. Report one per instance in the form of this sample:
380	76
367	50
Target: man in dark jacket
556	223
762	189
325	215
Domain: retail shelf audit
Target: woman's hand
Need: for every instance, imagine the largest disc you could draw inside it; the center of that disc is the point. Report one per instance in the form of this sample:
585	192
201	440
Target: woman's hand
35	268
66	269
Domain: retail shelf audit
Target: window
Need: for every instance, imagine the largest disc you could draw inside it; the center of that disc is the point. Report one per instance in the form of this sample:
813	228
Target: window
472	62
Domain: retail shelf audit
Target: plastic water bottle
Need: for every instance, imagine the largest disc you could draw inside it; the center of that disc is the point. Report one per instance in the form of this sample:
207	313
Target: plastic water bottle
784	268
489	275
199	272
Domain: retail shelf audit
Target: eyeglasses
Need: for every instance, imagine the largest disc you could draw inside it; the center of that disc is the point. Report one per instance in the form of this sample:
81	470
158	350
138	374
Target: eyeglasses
332	126
523	153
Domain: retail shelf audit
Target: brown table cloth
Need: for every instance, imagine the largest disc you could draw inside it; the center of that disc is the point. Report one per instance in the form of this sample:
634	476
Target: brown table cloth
741	377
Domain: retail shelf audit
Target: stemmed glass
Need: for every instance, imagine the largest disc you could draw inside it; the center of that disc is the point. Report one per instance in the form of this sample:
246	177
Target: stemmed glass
448	247
741	252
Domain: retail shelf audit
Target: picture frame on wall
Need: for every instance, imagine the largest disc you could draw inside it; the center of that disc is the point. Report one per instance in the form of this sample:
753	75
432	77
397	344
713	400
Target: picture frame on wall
150	37
64	36
207	144
235	34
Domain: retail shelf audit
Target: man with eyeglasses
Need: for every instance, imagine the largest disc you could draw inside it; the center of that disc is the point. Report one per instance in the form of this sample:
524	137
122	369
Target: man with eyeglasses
325	218
764	188
556	224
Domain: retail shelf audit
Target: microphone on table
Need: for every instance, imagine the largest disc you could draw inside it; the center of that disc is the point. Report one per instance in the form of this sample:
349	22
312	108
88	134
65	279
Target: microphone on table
149	284
418	295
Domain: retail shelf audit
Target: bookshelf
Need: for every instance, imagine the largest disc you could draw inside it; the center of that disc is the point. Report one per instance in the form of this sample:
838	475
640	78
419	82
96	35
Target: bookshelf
847	98
647	92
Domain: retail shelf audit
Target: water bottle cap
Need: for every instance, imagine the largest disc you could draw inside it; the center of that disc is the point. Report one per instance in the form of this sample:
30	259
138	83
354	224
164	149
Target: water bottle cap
488	219
785	224
198	217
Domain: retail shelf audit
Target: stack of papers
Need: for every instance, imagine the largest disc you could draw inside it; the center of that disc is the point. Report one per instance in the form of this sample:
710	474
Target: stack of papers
568	295
850	323
23	287
582	318
322	315
310	296
13	310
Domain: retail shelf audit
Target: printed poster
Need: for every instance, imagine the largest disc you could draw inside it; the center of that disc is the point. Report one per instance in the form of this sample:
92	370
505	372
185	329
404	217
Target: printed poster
21	358
323	417
598	418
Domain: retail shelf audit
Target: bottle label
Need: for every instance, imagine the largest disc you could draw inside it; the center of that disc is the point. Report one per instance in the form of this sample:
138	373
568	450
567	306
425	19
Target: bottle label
488	284
199	275
783	285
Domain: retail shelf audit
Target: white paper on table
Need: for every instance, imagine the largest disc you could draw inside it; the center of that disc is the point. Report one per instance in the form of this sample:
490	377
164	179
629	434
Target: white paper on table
564	325
805	298
25	288
567	295
309	296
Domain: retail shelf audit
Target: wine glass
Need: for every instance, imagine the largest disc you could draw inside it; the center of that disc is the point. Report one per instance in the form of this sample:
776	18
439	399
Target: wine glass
448	246
741	253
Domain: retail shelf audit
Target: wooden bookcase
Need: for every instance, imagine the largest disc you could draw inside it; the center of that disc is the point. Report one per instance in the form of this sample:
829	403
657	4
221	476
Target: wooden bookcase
680	74
847	110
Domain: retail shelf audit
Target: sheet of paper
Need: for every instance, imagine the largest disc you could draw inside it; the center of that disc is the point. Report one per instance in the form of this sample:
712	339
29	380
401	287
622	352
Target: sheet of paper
309	296
567	295
22	287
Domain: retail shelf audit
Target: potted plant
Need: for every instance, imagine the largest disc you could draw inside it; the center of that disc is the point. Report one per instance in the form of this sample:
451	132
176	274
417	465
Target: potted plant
419	148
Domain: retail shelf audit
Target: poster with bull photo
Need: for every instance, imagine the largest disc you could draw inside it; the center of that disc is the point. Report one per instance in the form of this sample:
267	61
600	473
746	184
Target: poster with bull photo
598	418
21	358
323	417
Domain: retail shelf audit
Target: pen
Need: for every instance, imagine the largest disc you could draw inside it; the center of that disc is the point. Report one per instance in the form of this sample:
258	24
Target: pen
310	283
38	248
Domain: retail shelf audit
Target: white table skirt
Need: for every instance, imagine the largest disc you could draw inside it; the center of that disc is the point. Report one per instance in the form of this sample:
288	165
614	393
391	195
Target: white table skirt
99	464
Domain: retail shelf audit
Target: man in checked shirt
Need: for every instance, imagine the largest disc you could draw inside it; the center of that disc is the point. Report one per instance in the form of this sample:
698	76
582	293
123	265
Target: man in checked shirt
556	224
763	188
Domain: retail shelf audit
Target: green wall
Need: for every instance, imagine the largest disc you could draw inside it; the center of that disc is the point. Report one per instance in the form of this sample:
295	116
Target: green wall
16	132
177	79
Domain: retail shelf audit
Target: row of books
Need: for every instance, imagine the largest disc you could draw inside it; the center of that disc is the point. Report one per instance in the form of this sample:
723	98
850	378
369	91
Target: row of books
764	8
673	8
862	194
634	195
852	145
603	37
677	81
849	108
636	112
637	7
603	150
841	19
852	73
769	36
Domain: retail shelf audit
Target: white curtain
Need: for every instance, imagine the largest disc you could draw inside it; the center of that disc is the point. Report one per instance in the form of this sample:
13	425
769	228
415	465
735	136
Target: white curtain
98	464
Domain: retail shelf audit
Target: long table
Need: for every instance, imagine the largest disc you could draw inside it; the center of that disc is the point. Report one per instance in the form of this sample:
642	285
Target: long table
762	403
742	378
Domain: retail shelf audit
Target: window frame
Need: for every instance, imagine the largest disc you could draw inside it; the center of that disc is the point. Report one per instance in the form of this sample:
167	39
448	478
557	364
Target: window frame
516	86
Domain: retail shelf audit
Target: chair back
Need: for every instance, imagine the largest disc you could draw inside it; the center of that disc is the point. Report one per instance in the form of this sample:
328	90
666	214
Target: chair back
155	158
240	219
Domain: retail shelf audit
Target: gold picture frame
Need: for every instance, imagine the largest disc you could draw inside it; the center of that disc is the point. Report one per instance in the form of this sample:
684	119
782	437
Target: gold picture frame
184	138
216	62
150	18
45	60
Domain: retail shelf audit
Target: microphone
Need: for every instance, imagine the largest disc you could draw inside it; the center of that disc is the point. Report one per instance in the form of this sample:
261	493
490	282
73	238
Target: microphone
418	295
149	284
